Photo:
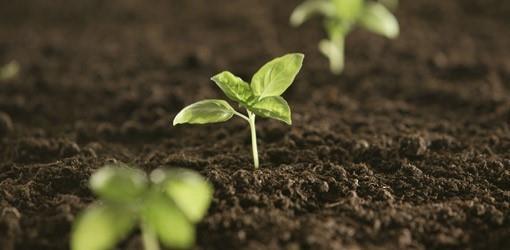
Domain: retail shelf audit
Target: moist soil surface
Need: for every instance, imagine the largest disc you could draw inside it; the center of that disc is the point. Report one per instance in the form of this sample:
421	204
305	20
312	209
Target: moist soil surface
408	149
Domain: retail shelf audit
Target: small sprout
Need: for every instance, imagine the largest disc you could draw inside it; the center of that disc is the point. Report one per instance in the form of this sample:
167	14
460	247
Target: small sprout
341	16
261	97
166	208
9	71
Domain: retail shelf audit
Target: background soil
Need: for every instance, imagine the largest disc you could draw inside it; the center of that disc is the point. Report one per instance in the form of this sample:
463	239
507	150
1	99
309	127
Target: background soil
409	149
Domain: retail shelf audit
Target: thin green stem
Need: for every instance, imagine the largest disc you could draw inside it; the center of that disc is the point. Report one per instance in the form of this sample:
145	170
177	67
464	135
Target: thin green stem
150	241
241	115
253	139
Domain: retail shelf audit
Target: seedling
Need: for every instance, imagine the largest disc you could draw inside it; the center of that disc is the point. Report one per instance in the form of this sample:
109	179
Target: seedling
261	97
9	70
341	16
166	207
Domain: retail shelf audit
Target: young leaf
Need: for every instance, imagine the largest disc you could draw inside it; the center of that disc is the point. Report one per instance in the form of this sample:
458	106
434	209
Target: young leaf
100	227
234	87
172	227
309	8
188	190
334	51
380	20
273	107
206	111
276	76
349	10
118	184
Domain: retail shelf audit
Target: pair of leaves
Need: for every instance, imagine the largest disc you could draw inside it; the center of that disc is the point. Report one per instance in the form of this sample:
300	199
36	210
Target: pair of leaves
373	16
169	206
214	111
346	10
341	16
262	96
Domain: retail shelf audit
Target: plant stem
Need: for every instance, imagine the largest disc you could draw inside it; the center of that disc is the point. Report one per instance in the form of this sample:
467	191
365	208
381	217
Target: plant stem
241	115
253	139
150	241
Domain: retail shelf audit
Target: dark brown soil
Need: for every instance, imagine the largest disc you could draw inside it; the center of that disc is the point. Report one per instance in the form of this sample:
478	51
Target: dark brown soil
409	149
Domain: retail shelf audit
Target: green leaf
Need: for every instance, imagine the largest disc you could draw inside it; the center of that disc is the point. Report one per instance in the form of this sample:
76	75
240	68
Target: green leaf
100	227
334	51
309	8
172	227
380	20
206	111
234	87
190	191
118	183
349	10
277	75
273	107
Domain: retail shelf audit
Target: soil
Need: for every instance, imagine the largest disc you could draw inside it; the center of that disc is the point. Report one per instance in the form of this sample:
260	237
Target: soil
408	149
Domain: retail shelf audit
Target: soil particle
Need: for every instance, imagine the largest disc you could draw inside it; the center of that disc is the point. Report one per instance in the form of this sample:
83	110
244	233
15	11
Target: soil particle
413	146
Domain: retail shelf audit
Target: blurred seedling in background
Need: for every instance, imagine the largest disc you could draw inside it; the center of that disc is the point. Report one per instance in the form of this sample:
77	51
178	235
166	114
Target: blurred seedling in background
341	16
9	71
262	97
166	207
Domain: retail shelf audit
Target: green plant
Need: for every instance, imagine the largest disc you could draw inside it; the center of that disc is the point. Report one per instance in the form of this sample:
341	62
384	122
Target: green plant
261	97
9	70
166	208
341	16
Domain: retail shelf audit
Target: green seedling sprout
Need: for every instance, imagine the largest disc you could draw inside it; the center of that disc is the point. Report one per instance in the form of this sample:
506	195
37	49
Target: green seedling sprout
261	97
9	70
165	206
341	16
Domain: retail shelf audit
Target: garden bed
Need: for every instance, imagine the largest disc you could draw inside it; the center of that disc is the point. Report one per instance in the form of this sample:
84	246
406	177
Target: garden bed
408	149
